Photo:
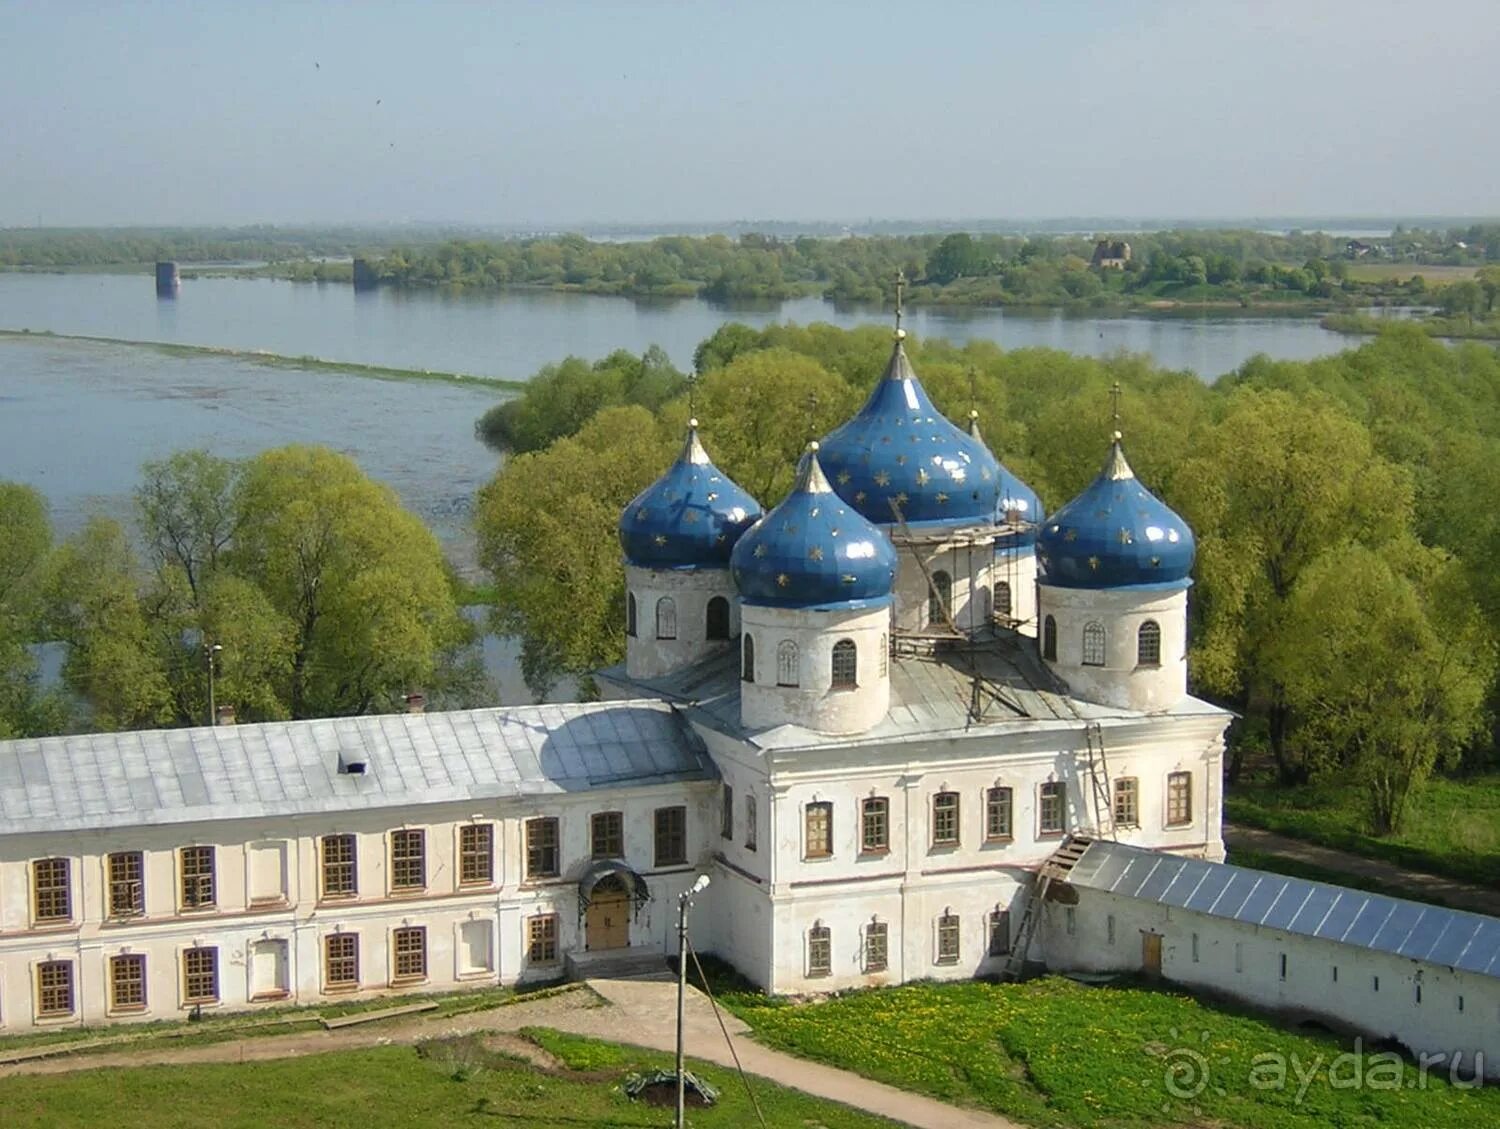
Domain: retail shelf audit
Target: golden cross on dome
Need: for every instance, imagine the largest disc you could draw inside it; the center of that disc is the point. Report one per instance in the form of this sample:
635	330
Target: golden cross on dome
692	383
1114	403
900	289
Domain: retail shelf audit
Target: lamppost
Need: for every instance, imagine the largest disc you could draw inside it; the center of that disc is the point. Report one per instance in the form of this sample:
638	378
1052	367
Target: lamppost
210	652
684	900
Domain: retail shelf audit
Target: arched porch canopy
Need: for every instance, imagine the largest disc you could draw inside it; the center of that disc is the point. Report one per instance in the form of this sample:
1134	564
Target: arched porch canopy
597	872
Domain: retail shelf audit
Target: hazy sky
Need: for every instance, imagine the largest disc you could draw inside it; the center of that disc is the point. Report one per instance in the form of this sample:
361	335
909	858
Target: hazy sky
557	112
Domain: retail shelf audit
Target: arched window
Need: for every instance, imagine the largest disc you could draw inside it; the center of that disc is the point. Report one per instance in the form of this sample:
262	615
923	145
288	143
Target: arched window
630	613
787	668
1093	644
940	599
666	618
845	665
718	618
1049	639
1002	598
1148	644
747	664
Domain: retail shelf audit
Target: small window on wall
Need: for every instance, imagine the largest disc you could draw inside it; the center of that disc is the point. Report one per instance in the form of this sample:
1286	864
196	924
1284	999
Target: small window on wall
1049	639
339	877
200	975
999	932
409	950
54	988
717	626
607	835
947	939
876	947
1002	599
845	665
786	663
476	853
726	813
819	950
666	618
1127	805
1053	808
1179	799
998	806
819	830
1148	644
874	819
1093	644
630	614
127	894
52	898
747	661
341	960
671	836
749	823
541	939
940	599
541	848
945	819
127	982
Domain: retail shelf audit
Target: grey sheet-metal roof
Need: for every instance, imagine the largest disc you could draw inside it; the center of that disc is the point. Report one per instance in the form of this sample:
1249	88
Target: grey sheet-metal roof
1466	941
161	776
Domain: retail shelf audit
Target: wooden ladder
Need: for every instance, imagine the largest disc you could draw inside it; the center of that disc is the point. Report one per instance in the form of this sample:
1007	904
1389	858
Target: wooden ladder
1057	868
1104	803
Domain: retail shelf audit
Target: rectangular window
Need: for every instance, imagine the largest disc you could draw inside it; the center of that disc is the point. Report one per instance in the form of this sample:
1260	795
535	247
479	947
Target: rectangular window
198	878
1109	929
819	951
1179	799
340	874
1239	956
998	805
200	975
726	814
945	819
671	836
1195	948
999	932
541	939
947	939
749	823
408	860
1283	966
819	830
1070	919
341	961
476	853
541	848
1052	807
875	825
876	948
127	982
607	835
409	952
127	892
54	987
52	898
1127	806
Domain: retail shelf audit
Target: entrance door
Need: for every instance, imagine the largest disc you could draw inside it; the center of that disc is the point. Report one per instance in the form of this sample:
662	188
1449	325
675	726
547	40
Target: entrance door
1151	953
608	920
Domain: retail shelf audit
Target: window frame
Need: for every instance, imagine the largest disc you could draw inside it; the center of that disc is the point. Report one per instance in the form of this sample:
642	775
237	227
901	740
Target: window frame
819	951
630	615
1095	651
675	852
52	886
999	798
606	829
133	904
1131	817
57	999
747	659
949	938
817	813
843	666
788	665
946	825
1002	607
1052	791
715	629
1179	809
666	618
751	839
538	852
408	954
542	945
137	981
206	959
999	930
347	869
877	954
197	871
726	813
875	815
940	597
408	860
476	854
1049	639
1148	647
349	960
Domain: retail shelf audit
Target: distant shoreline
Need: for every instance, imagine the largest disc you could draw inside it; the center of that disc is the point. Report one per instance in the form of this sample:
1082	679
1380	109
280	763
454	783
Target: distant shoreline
275	360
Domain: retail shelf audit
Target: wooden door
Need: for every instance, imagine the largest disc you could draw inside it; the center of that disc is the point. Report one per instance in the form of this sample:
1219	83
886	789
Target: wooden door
608	919
1151	953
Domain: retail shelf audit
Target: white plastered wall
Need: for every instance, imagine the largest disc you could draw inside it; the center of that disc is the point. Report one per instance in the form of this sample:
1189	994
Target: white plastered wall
813	703
1121	682
690	590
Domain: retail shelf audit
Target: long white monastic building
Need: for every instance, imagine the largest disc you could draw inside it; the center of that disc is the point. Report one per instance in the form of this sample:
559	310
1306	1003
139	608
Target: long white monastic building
873	716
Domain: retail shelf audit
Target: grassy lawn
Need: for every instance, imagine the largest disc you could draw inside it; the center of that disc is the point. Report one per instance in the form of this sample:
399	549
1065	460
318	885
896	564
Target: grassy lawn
1054	1053
1453	827
447	1082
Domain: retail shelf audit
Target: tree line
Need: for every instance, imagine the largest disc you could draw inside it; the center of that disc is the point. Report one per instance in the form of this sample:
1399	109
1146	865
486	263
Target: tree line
1345	601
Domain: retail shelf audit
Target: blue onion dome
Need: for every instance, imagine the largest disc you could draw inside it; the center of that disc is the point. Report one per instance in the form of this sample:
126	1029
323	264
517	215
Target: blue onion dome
899	447
690	517
1018	503
1116	534
813	551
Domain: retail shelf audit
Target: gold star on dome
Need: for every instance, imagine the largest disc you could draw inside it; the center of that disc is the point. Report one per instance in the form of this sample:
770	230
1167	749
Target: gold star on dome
720	539
849	578
760	550
1071	535
922	476
885	438
942	498
782	580
660	538
984	474
1126	537
859	498
882	478
844	478
1156	562
815	553
900	460
901	498
640	514
1094	563
788	527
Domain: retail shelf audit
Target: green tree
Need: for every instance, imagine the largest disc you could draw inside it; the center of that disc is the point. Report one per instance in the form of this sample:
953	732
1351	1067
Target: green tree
25	547
1386	669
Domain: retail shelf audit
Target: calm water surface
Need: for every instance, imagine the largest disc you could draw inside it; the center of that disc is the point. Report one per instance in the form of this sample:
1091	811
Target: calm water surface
512	334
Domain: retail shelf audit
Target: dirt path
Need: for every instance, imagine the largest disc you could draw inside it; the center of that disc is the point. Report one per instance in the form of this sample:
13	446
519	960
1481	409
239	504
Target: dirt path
1396	880
639	1012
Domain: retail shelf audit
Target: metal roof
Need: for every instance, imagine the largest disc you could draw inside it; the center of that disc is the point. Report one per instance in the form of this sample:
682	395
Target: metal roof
1466	941
96	780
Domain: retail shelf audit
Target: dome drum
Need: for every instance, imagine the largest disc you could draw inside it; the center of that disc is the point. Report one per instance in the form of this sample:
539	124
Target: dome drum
827	672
